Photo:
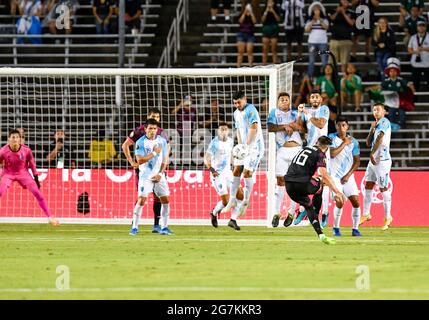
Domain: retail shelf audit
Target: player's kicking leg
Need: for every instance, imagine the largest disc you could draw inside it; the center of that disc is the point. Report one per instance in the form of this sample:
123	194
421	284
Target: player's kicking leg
235	185
370	179
236	211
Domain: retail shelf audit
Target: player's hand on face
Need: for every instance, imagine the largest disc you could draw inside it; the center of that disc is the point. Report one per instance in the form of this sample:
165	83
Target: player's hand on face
156	178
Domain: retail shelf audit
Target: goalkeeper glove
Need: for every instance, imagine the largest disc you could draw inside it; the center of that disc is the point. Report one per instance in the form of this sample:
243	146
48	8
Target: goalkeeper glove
36	179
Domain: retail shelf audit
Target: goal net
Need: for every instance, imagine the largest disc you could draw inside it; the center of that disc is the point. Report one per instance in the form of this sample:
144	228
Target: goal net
75	121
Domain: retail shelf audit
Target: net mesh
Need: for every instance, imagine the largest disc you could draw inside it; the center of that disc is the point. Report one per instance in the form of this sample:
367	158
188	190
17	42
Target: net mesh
97	113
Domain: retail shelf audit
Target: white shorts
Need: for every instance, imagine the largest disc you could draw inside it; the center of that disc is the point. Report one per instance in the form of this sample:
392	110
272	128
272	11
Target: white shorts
251	162
222	182
349	188
284	158
379	173
146	187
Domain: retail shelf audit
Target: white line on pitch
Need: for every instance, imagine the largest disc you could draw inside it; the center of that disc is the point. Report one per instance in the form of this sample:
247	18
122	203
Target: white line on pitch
229	239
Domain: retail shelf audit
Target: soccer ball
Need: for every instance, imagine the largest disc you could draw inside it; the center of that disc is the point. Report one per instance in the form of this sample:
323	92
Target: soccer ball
240	151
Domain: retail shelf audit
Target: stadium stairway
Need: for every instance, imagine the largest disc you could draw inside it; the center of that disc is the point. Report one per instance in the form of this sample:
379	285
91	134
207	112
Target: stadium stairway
85	48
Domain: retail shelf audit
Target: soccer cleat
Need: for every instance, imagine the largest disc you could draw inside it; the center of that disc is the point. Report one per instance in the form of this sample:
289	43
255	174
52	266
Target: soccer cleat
243	207
300	216
133	231
365	218
276	220
337	232
356	233
214	220
288	220
156	228
232	203
324	222
233	224
166	231
326	239
53	222
387	222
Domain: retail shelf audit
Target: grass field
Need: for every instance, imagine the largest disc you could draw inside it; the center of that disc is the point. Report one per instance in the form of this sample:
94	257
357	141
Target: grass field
207	263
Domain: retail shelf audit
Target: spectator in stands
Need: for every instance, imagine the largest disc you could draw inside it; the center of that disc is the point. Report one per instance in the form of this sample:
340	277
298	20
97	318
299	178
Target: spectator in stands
133	12
405	9
294	25
384	43
342	21
305	87
270	30
326	84
391	88
419	49
102	11
186	114
213	117
214	5
57	9
317	25
364	30
29	22
58	154
410	26
245	36
255	7
351	86
102	150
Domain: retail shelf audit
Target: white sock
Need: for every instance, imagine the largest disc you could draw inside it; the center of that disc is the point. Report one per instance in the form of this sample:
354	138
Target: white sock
355	217
292	206
165	213
218	208
234	188
236	210
137	212
279	195
325	200
337	216
248	187
367	202
387	199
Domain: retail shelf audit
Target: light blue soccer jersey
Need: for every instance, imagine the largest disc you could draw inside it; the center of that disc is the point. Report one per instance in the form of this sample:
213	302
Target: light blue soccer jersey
342	163
220	153
314	132
383	152
279	117
243	121
144	146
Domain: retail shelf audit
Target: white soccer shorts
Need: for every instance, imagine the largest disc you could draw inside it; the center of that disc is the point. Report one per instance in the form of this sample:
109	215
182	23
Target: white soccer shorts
222	182
379	173
251	162
349	188
146	187
284	158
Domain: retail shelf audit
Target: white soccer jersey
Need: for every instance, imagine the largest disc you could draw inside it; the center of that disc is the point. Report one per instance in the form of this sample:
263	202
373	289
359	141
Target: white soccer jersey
314	132
383	152
220	154
144	146
243	121
342	163
279	117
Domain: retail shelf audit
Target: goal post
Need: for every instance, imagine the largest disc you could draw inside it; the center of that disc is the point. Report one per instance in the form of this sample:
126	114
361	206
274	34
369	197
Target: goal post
98	108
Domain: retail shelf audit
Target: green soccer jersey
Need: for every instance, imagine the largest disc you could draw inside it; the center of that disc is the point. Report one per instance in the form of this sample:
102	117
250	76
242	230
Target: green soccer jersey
352	85
408	4
326	86
411	24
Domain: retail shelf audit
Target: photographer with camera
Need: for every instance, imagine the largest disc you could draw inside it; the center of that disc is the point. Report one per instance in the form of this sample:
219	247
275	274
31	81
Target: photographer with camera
58	153
246	35
418	47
